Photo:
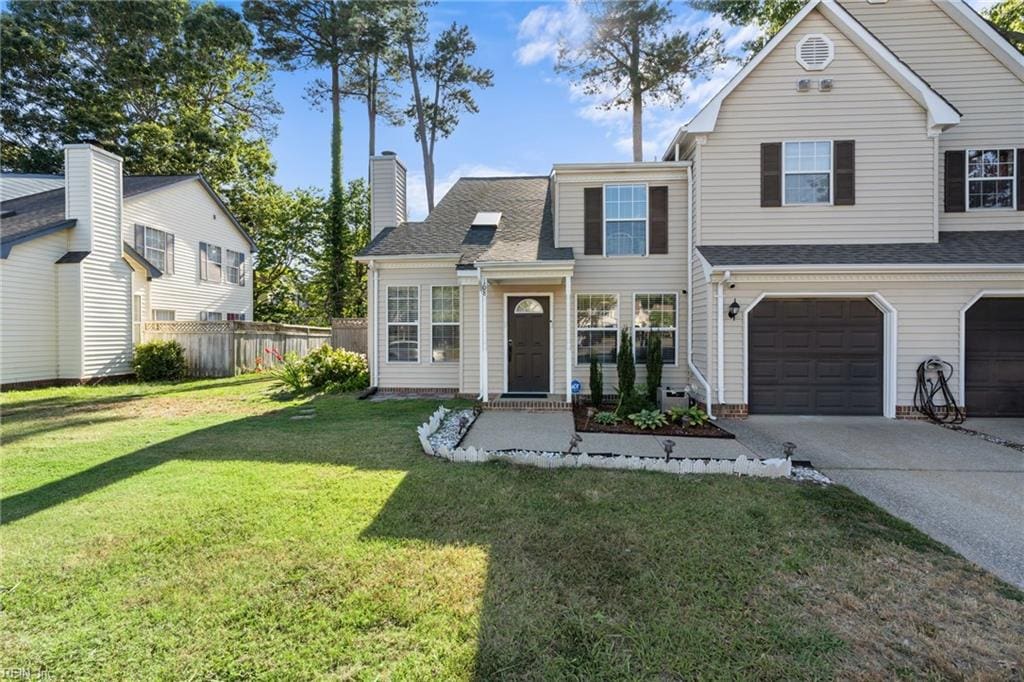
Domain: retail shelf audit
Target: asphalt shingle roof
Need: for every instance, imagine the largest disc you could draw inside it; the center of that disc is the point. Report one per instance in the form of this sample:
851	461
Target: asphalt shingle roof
982	248
525	233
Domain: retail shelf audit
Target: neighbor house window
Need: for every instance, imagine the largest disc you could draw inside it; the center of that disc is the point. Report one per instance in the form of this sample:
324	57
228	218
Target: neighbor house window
209	262
234	268
625	220
444	324
597	327
807	172
162	315
654	314
991	178
210	316
236	317
403	324
156	248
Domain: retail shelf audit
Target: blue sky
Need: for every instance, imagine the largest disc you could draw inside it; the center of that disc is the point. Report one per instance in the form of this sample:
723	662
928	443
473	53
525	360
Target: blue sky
529	120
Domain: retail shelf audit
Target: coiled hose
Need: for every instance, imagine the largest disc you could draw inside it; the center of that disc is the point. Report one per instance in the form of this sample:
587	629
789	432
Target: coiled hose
926	390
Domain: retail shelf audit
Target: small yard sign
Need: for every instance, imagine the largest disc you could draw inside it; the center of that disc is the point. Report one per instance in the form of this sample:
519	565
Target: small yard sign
576	386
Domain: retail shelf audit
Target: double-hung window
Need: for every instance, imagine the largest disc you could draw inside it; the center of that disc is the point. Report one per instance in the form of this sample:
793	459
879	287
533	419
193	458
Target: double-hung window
597	327
625	220
655	314
403	324
162	315
211	316
234	268
991	178
807	172
156	248
236	317
210	262
444	324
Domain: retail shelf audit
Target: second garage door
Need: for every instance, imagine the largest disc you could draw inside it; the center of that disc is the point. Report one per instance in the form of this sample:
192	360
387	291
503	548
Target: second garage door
994	358
815	356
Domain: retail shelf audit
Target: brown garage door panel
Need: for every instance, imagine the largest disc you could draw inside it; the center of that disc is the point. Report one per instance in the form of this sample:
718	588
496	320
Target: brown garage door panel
994	358
811	356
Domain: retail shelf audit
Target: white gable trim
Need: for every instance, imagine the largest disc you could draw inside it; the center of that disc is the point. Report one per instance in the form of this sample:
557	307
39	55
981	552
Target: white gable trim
983	32
941	114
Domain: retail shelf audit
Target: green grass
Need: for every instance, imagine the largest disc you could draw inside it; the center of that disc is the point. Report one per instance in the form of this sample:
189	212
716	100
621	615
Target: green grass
196	530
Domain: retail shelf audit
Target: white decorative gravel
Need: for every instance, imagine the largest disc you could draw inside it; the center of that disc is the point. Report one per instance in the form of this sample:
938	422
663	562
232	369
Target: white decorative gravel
452	428
810	475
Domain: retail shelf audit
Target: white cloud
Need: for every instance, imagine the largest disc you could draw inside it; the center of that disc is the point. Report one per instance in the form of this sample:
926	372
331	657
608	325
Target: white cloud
416	190
545	27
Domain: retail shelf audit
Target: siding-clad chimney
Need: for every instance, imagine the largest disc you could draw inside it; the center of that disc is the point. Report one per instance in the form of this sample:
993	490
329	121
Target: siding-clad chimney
387	192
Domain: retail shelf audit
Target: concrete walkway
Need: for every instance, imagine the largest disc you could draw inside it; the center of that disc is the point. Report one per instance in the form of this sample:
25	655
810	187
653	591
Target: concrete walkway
1010	428
960	489
551	431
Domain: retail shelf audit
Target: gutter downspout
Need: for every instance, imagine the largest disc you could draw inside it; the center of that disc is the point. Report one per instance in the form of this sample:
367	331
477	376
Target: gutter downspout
721	336
689	292
483	336
568	338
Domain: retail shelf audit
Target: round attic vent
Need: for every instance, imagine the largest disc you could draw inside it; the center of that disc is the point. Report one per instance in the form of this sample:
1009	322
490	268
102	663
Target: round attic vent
815	51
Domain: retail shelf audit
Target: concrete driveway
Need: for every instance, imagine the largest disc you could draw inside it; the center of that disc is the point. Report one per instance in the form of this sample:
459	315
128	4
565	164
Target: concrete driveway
959	489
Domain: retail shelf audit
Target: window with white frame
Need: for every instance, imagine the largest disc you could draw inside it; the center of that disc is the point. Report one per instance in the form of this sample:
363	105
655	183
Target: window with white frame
156	248
211	316
403	324
654	314
625	220
210	262
807	172
162	315
597	328
991	178
444	324
236	317
234	268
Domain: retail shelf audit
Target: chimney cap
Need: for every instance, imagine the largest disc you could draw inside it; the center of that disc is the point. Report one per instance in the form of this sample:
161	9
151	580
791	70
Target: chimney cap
388	152
91	140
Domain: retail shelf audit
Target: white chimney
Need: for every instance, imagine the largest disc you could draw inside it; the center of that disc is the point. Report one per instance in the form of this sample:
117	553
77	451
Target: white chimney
387	192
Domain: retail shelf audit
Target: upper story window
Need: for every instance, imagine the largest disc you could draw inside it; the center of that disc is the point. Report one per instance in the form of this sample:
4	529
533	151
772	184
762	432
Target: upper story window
991	178
234	268
625	220
156	246
807	172
210	262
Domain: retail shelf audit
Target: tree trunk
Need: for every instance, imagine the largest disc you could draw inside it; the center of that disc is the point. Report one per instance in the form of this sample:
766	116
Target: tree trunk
371	106
636	94
336	217
638	127
421	123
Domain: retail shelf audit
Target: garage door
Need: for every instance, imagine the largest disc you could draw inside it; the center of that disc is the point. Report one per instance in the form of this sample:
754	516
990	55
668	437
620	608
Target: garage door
815	356
994	358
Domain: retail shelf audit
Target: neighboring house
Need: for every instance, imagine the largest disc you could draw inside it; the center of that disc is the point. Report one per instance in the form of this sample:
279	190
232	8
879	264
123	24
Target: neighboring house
87	257
849	205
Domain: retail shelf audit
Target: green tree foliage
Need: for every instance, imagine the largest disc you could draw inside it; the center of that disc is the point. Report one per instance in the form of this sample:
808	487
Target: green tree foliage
305	34
768	15
633	53
169	86
442	85
1008	17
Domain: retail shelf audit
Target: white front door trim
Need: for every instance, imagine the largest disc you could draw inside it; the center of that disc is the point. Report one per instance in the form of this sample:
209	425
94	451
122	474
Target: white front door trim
551	335
890	325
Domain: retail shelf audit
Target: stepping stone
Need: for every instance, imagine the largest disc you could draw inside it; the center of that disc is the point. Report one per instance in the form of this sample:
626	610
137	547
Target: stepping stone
303	416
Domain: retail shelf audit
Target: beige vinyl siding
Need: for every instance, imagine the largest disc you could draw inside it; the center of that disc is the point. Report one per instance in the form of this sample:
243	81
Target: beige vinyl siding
928	311
388	193
68	330
990	97
699	294
470	375
894	156
627	275
13	186
424	373
28	301
187	211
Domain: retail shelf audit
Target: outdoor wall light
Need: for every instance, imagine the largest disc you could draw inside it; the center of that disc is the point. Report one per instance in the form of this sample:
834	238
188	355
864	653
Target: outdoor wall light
734	309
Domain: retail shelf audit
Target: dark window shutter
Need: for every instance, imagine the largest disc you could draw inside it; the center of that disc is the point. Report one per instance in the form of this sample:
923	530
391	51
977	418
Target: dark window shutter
771	174
593	221
1020	179
955	197
140	239
844	175
657	204
202	261
170	254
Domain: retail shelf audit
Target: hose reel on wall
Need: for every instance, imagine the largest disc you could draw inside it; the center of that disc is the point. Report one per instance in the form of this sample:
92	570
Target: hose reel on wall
932	395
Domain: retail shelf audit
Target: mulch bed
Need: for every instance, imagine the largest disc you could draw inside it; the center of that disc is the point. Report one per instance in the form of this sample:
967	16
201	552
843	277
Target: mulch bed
584	424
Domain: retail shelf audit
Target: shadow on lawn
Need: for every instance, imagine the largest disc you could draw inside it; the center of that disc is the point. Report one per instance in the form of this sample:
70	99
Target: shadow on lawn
590	573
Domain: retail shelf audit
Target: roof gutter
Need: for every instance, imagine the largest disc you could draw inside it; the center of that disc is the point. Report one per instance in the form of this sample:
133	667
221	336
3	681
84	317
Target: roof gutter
8	244
829	268
408	257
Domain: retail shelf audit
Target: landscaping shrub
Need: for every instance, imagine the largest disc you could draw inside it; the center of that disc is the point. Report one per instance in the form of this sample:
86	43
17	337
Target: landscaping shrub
336	370
654	365
292	373
624	363
159	361
648	419
596	382
689	416
607	418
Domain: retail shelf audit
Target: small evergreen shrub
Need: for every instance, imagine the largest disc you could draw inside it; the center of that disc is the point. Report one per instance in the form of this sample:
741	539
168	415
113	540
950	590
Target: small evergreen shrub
654	366
646	420
625	365
159	361
596	382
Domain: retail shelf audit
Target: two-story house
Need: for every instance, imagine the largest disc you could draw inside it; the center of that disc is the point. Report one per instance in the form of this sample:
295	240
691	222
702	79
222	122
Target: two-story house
88	256
848	206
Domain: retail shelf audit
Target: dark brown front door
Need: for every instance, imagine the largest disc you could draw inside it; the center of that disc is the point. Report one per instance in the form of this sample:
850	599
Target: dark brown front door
529	346
994	358
815	356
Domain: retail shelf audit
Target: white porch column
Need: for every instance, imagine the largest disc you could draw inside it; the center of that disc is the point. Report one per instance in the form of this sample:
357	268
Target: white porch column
483	337
568	338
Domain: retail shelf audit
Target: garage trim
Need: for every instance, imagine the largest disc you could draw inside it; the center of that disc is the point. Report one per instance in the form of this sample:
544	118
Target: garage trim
890	327
984	293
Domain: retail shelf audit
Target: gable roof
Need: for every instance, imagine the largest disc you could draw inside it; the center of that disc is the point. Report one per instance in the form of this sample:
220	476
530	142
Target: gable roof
985	33
941	113
34	215
525	232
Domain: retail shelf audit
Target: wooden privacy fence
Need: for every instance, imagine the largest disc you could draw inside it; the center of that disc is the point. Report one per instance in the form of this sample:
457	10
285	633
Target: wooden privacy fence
221	349
349	333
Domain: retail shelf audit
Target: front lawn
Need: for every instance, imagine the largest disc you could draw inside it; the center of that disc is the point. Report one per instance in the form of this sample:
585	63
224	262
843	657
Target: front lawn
200	531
